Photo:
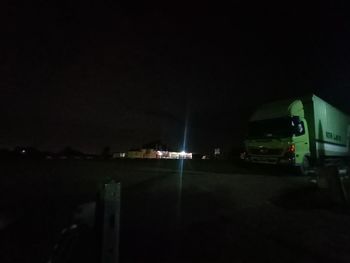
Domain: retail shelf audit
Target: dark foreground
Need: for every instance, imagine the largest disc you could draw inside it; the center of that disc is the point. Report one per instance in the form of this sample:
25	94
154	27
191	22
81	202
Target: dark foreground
222	213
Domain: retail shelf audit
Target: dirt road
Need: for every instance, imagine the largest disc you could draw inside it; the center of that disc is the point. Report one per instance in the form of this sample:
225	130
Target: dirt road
198	215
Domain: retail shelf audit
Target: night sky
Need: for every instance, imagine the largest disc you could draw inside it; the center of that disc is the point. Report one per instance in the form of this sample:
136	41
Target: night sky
96	75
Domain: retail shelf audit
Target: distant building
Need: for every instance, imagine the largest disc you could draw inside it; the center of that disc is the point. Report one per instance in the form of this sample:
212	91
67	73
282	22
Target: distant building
149	154
118	155
156	154
135	154
179	155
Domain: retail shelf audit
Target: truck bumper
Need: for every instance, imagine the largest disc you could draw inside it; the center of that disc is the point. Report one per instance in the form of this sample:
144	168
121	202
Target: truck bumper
271	160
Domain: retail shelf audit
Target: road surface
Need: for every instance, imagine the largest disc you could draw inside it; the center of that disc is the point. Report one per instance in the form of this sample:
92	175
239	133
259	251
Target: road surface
170	215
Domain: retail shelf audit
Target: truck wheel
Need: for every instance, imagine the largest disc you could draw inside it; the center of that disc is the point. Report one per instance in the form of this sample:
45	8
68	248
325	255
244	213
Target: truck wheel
305	166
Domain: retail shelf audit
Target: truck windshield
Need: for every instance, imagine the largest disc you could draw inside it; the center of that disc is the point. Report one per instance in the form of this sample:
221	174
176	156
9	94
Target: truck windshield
279	127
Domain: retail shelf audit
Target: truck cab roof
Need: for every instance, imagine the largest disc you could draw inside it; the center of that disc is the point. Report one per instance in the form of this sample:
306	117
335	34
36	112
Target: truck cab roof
279	109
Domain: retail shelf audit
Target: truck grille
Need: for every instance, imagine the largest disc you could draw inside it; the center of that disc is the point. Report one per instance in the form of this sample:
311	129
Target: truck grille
265	151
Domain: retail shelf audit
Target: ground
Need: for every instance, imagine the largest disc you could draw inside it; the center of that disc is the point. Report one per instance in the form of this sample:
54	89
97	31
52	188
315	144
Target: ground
214	211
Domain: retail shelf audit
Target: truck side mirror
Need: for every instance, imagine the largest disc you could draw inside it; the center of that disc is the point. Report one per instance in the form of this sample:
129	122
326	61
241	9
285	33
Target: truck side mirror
295	120
298	126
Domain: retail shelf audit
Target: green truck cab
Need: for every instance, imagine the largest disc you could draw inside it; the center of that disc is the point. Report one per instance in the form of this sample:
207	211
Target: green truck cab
299	132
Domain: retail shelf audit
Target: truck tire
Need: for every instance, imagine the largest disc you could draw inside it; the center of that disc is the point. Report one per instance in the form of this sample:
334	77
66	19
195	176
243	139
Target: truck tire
330	181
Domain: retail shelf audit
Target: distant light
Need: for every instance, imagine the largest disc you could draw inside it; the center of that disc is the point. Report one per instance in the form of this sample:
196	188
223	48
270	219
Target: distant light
23	151
183	153
159	153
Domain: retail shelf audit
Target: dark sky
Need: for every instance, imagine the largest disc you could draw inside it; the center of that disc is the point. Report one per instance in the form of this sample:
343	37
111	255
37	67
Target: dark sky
108	74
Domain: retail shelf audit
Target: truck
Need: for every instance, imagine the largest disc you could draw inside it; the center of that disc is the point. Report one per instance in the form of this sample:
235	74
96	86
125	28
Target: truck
302	132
